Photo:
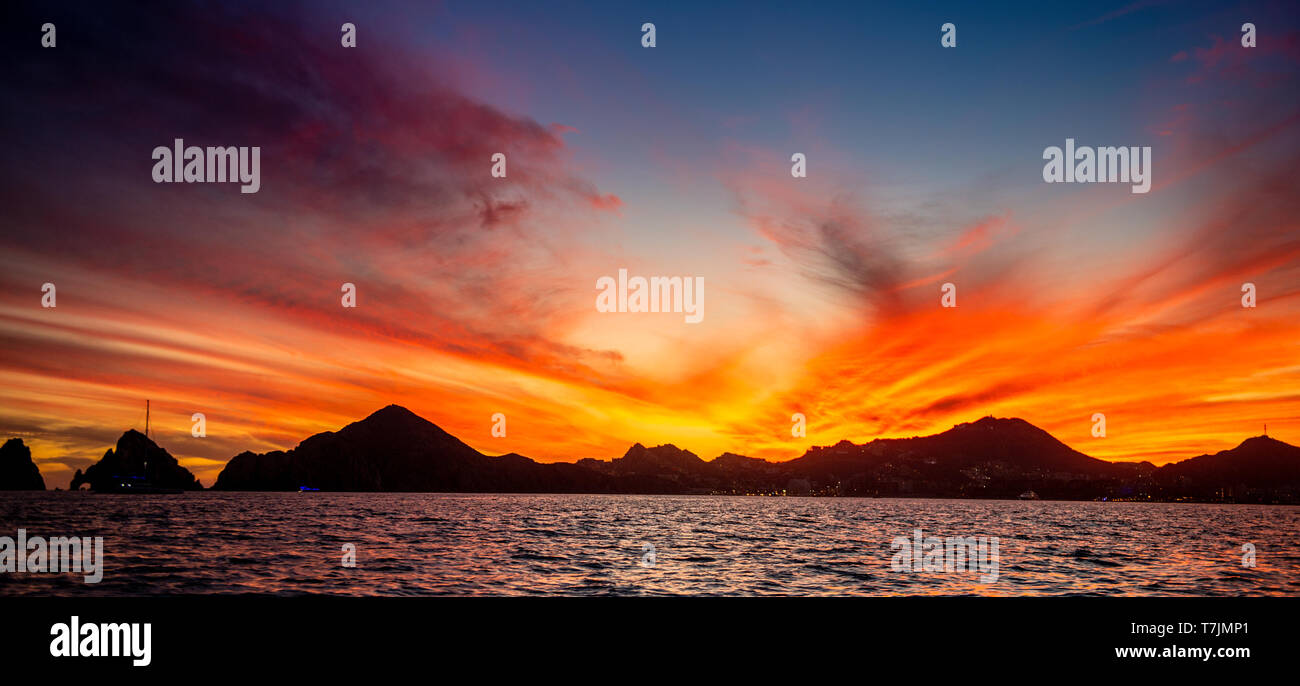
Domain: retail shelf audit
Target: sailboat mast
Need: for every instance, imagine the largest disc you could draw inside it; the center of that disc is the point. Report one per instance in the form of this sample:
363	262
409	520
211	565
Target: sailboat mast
146	419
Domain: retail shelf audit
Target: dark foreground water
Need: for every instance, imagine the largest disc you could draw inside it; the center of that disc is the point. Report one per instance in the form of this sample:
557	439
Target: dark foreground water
429	544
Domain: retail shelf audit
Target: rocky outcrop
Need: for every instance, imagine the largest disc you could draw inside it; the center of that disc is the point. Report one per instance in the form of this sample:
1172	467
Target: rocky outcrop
136	463
17	470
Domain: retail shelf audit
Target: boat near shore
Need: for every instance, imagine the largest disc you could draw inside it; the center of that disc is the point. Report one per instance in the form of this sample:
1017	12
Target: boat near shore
136	465
134	484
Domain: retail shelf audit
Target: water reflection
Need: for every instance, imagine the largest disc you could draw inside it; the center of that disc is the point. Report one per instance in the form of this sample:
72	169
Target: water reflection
427	544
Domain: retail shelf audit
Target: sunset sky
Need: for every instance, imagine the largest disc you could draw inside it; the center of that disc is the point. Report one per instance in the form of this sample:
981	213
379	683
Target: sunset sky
822	294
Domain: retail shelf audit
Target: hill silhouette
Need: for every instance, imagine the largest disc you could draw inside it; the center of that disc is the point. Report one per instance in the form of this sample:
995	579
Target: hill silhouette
1257	464
396	450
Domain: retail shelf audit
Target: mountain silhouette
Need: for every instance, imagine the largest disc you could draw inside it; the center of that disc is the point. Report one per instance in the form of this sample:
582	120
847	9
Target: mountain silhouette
1013	443
1259	463
396	450
667	468
17	470
991	457
136	464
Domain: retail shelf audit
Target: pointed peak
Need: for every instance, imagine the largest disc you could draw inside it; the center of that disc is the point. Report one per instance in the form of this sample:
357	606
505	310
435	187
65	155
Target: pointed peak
660	453
392	418
133	437
393	411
